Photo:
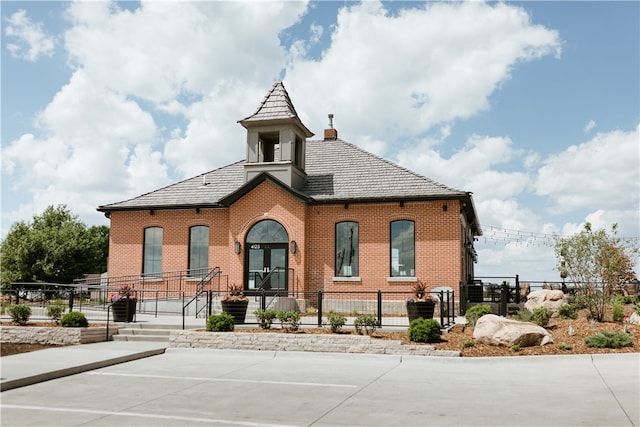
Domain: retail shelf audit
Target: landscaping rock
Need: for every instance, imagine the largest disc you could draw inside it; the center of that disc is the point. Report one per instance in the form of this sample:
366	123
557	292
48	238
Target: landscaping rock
634	319
496	330
552	299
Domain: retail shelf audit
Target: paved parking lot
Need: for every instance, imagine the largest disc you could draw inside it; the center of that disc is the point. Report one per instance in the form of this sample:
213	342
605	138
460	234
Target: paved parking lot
185	387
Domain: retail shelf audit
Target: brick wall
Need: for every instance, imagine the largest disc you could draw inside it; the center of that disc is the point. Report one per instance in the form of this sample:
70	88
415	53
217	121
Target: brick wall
437	231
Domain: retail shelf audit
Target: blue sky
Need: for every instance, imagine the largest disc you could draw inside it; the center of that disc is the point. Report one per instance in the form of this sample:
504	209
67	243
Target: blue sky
532	106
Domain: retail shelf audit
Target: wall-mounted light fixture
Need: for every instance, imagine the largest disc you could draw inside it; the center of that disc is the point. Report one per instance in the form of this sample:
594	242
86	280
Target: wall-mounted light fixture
402	203
293	246
237	247
445	207
197	210
151	212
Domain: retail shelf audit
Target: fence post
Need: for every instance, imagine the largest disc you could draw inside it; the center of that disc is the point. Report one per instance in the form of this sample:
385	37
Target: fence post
504	298
379	308
441	308
517	289
463	299
71	295
319	309
263	299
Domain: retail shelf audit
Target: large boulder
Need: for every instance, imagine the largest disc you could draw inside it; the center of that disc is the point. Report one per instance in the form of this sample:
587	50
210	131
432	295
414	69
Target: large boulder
552	299
496	330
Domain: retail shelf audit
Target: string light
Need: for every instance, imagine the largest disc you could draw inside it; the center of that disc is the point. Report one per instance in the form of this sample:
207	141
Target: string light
506	236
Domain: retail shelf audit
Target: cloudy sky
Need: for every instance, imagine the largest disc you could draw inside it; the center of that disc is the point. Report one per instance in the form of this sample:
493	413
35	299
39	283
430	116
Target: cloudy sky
532	106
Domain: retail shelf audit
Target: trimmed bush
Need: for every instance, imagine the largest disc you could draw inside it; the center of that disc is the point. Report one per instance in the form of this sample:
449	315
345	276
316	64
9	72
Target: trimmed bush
265	317
365	324
222	322
569	311
477	311
424	330
336	322
74	319
55	311
289	320
20	313
608	340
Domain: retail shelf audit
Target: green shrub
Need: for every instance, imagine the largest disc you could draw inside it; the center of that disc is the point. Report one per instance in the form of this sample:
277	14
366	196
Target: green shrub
608	340
336	322
618	312
569	311
541	316
265	317
54	311
222	322
477	311
516	348
468	343
365	324
637	308
524	315
74	319
289	320
20	313
624	299
424	330
563	346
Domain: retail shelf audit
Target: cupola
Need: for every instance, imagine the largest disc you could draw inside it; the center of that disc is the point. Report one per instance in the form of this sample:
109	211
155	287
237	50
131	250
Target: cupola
276	140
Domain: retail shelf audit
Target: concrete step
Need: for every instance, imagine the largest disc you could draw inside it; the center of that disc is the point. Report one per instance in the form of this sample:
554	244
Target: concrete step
143	331
139	338
146	332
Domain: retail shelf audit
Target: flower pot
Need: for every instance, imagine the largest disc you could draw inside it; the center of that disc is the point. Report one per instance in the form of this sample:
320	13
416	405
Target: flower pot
237	310
124	310
422	309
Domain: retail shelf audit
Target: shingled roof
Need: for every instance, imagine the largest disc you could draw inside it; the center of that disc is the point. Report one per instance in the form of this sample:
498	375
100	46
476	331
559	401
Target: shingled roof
276	106
337	172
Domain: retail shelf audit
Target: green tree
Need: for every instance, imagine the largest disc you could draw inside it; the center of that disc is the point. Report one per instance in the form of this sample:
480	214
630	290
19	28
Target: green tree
598	263
55	247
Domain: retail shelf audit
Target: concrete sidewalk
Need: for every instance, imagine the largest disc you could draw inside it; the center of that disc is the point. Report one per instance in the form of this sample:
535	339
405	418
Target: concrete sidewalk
24	369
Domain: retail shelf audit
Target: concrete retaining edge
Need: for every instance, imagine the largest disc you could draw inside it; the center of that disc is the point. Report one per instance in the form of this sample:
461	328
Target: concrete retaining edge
54	335
331	343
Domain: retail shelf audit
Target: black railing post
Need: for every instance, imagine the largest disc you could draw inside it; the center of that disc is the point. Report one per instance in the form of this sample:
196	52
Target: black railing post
441	308
71	295
517	289
379	308
263	299
319	309
210	302
504	298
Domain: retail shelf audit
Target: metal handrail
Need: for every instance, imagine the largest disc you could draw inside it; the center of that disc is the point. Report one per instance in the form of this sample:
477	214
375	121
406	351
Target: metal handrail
200	289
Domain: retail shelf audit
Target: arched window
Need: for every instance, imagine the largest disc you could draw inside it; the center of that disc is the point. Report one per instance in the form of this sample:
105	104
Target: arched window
347	249
267	231
152	251
198	250
403	254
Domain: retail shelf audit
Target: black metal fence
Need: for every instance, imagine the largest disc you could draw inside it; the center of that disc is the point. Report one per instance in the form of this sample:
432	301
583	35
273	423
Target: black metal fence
95	302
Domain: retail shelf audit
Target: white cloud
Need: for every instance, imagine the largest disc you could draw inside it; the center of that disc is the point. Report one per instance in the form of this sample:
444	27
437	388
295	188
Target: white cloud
95	147
28	39
600	173
398	76
589	126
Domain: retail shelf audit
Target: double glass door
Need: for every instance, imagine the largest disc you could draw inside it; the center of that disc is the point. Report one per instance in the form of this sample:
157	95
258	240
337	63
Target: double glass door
266	266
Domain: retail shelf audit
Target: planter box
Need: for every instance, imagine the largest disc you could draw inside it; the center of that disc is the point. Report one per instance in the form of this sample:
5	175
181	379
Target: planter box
124	310
237	310
423	309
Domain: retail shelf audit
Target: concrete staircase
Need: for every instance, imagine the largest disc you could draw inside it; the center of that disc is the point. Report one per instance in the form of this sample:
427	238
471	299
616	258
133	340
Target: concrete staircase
146	332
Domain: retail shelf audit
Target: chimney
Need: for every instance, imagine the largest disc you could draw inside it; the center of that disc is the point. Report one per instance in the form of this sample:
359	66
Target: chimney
330	134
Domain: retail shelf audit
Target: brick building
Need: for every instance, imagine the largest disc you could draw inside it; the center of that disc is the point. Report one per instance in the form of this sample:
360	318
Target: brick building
315	214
